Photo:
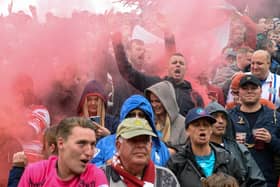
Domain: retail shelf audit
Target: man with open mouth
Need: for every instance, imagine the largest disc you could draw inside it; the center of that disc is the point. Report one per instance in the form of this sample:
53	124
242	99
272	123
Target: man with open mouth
186	97
76	141
199	158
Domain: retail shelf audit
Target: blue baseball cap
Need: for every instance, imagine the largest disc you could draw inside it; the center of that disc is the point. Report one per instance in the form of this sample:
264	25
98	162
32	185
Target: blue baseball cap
196	114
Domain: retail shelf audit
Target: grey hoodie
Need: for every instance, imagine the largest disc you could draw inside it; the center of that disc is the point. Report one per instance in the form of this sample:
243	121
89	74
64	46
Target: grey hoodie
216	107
165	92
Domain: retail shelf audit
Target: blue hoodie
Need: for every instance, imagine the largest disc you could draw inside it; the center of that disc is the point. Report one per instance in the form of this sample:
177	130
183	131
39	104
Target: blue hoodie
106	146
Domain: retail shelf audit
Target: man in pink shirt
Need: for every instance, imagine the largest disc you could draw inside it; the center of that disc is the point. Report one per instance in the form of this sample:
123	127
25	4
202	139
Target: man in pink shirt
76	143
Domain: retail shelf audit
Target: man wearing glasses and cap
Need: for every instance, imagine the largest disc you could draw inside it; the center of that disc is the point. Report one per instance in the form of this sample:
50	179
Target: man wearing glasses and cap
199	159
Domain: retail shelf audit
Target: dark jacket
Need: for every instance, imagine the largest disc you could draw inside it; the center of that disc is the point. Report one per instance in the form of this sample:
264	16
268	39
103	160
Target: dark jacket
186	99
275	66
190	174
268	119
9	146
14	176
249	168
122	88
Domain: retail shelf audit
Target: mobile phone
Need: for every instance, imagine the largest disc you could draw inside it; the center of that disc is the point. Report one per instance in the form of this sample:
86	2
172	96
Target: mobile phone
95	119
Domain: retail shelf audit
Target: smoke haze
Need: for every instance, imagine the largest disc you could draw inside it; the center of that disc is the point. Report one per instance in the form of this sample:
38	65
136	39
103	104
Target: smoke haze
70	44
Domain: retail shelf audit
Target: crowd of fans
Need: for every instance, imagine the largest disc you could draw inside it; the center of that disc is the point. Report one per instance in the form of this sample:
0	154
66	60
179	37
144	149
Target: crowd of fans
104	114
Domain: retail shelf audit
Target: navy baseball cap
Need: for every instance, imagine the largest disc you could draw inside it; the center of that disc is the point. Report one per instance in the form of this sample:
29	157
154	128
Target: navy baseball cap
198	113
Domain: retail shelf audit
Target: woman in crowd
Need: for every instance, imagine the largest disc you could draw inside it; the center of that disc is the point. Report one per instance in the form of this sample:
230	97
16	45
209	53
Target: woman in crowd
93	104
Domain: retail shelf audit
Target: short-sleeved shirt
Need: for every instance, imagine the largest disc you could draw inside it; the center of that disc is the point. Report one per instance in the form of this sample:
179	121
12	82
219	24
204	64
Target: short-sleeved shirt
44	174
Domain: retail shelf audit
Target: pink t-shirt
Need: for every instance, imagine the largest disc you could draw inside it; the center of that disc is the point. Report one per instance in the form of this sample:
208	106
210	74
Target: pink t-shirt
43	174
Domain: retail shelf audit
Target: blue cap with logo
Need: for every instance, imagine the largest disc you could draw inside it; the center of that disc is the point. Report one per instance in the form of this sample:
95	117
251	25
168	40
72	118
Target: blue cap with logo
198	113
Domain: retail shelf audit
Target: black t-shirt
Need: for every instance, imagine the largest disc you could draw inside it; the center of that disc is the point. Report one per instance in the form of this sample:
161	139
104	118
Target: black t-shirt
252	117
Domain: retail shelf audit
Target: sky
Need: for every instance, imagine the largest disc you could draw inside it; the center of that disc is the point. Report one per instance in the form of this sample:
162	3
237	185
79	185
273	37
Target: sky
59	8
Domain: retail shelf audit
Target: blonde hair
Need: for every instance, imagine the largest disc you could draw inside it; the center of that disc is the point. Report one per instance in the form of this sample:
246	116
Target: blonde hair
100	110
165	129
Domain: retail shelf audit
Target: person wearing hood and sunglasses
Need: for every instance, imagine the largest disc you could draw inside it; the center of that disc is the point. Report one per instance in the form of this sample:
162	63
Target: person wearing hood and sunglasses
139	107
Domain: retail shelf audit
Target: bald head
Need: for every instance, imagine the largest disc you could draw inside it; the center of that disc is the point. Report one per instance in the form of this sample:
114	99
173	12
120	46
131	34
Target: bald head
260	64
263	53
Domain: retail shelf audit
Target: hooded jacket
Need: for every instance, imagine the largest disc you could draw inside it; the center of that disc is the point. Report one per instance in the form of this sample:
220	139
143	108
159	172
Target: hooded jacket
95	88
92	88
106	146
248	166
216	107
166	94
